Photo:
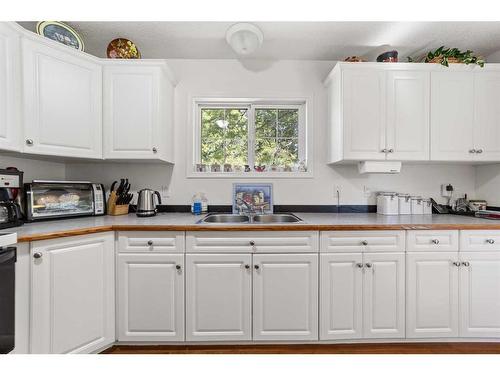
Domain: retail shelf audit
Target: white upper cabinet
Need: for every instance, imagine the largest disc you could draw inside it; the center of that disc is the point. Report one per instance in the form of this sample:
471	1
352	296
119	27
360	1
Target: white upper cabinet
378	112
452	115
10	81
486	116
407	115
363	114
138	111
62	102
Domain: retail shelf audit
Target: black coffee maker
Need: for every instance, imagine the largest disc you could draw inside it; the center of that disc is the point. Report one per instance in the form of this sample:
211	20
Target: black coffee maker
11	182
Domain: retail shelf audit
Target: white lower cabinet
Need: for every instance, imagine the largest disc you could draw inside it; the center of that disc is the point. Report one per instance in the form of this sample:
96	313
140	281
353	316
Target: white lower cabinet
150	297
479	284
285	297
72	294
218	297
362	296
432	294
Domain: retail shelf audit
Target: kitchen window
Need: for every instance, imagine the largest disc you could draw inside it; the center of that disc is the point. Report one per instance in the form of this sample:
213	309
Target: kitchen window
250	138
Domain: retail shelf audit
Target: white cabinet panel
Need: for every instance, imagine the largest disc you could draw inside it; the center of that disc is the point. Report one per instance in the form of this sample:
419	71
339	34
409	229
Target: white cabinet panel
10	84
408	115
218	297
486	116
285	297
62	102
432	240
135	126
72	294
452	115
480	294
384	295
150	297
341	301
151	242
364	114
480	240
363	241
432	294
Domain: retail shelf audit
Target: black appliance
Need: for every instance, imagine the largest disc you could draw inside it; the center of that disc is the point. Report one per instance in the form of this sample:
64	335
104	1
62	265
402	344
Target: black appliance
7	298
11	181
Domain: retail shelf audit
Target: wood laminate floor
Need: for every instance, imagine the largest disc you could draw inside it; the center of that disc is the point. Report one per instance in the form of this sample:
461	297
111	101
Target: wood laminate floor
390	348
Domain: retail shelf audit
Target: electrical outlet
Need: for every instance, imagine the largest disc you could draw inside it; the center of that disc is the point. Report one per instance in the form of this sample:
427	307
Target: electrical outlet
447	190
366	191
337	189
164	192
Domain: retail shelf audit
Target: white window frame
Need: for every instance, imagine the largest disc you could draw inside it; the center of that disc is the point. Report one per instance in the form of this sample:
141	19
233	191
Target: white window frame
304	135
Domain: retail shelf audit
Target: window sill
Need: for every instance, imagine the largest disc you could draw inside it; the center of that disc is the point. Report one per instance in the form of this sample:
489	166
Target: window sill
250	175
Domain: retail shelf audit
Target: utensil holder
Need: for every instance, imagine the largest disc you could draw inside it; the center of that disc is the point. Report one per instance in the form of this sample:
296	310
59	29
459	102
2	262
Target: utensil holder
116	209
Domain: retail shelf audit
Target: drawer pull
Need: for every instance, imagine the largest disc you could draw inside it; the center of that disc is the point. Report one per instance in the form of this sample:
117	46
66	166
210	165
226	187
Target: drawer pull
252	243
364	243
37	255
178	267
247	266
465	264
150	243
256	266
435	241
457	264
368	265
490	241
359	265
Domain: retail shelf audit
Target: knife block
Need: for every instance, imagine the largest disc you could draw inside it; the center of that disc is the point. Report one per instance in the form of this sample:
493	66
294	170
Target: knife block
116	209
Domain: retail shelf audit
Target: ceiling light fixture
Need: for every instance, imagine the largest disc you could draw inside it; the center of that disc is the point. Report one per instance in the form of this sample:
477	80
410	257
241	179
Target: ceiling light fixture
244	38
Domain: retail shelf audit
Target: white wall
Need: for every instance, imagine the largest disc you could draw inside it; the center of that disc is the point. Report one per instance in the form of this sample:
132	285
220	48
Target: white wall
230	78
35	169
488	184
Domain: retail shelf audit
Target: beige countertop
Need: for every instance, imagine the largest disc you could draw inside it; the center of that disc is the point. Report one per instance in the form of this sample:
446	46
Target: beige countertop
185	221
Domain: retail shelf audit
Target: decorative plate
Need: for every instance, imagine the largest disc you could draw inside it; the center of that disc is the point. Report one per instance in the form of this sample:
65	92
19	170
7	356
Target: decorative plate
60	32
122	48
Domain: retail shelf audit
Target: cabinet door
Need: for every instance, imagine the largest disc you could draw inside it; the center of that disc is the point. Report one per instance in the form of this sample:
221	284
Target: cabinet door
150	297
285	297
486	116
72	298
364	114
384	295
218	297
452	119
62	102
10	81
341	278
132	121
408	115
432	294
480	294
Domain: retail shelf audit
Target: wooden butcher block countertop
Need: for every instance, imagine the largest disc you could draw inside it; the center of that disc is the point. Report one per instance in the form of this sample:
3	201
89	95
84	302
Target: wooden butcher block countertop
187	222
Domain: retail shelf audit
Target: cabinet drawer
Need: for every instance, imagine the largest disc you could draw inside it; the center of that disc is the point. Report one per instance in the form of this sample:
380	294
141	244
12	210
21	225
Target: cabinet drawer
252	242
362	241
427	240
479	240
158	242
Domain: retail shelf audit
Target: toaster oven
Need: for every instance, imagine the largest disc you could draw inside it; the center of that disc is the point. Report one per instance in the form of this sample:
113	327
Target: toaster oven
63	199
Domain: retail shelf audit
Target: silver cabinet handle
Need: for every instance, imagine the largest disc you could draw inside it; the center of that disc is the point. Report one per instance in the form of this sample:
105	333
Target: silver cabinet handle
472	151
178	267
457	264
29	142
466	264
359	265
256	266
368	265
252	243
37	255
364	243
150	243
155	150
247	266
490	241
391	150
435	241
479	151
384	150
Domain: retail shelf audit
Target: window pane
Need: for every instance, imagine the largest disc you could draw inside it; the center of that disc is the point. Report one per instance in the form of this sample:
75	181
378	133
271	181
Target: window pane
265	151
265	122
288	123
224	136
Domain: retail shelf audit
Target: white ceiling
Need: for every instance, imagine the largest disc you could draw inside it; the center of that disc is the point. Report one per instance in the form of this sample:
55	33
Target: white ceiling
291	40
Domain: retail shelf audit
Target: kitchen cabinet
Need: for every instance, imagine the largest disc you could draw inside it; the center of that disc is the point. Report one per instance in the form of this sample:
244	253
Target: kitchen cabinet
362	295
10	85
285	297
218	297
432	294
378	112
479	284
138	107
62	101
72	294
150	297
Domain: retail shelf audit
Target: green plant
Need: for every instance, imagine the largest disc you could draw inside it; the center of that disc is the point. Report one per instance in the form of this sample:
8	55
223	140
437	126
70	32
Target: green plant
445	55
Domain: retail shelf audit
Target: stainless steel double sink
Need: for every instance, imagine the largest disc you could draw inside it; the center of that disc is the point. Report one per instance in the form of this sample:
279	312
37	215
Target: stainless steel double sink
250	219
